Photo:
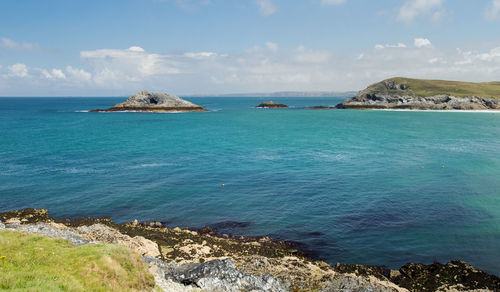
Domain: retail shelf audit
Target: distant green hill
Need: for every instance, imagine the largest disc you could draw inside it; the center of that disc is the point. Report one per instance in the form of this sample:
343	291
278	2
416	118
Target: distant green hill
407	93
423	87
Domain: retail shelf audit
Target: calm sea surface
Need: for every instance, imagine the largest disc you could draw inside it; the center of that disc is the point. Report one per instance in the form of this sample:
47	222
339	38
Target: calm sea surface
367	187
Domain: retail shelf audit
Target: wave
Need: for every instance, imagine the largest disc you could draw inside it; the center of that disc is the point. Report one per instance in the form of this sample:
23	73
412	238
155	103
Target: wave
147	165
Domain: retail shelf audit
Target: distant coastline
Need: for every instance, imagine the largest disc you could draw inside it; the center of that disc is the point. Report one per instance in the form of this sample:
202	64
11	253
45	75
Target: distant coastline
281	94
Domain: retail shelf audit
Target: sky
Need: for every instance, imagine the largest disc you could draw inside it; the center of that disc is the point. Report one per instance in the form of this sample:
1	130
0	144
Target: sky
189	47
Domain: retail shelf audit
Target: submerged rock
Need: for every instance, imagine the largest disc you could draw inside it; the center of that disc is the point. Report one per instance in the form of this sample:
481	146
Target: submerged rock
144	101
271	104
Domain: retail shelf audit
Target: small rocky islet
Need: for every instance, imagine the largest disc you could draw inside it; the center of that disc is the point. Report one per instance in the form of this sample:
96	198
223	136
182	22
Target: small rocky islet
187	260
420	94
145	101
271	104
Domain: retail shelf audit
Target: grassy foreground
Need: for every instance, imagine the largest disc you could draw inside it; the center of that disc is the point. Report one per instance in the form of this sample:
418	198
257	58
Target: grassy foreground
37	263
422	87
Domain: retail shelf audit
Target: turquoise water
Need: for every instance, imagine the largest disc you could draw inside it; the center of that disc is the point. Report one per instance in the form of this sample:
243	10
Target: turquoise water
368	187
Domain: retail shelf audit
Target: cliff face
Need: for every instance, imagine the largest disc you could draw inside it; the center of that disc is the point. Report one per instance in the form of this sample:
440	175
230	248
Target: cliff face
404	93
144	101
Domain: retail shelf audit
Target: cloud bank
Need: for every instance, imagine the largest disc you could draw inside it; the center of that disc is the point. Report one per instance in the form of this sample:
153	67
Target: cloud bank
266	67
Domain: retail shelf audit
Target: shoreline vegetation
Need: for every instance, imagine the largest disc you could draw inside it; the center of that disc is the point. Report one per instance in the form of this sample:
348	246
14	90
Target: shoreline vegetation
190	260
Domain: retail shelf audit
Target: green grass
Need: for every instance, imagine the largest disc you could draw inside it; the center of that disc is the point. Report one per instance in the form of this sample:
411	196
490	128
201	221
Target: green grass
37	263
422	87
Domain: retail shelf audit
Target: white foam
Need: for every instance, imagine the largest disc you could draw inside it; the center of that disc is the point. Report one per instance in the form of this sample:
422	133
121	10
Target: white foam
146	165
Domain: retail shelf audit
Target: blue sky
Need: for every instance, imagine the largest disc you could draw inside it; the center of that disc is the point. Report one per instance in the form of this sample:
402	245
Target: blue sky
219	46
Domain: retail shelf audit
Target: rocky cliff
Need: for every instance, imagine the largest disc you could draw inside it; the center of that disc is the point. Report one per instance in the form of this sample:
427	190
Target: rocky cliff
144	101
405	93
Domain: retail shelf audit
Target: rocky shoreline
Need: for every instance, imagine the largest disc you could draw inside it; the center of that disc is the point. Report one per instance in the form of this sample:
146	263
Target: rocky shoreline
186	260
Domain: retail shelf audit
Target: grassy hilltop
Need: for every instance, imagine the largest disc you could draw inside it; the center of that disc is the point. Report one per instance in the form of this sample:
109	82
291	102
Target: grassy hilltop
37	263
425	88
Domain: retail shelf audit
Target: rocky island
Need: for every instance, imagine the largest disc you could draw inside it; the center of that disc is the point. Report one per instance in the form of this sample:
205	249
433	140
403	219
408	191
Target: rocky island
419	94
99	254
271	104
145	101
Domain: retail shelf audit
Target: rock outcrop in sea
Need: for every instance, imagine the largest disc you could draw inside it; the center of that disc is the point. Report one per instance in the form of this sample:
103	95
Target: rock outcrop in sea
271	104
145	101
320	107
418	94
190	260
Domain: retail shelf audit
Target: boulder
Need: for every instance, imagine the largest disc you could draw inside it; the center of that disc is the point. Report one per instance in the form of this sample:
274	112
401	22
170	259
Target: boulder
221	275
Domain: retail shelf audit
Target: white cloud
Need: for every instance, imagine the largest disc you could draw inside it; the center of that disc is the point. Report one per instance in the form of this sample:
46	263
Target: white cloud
422	43
18	70
200	55
493	11
114	66
399	45
268	67
53	74
411	9
272	46
332	2
13	45
78	74
136	49
266	7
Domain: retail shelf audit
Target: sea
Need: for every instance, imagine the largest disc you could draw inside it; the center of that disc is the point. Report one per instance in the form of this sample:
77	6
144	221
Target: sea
348	186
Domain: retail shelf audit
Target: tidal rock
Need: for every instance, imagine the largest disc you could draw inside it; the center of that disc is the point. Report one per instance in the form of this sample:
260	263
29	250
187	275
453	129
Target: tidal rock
206	230
376	271
353	283
103	233
271	104
221	275
154	102
420	277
